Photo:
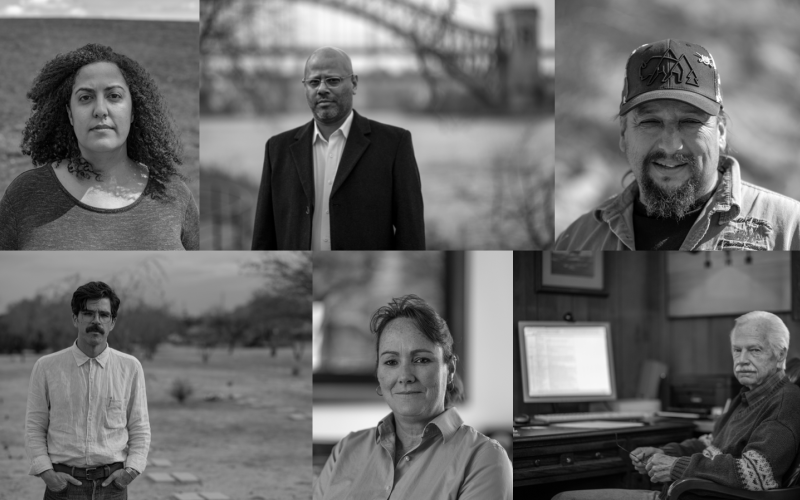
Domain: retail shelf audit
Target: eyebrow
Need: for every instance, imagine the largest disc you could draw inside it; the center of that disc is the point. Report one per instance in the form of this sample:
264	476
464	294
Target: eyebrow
415	351
87	89
648	108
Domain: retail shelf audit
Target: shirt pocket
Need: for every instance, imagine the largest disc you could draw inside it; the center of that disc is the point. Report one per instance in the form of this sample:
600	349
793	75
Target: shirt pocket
116	417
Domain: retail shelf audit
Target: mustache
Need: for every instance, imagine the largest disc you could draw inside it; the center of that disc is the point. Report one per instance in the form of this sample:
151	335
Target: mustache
678	157
95	328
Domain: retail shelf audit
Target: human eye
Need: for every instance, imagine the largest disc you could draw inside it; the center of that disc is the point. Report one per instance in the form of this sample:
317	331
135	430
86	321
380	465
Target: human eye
390	362
105	315
115	96
84	98
333	82
314	83
422	360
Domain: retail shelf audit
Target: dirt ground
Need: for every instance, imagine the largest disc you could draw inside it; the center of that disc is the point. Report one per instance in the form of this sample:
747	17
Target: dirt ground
252	443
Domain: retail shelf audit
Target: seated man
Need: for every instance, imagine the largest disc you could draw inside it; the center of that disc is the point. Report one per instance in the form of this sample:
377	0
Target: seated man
754	443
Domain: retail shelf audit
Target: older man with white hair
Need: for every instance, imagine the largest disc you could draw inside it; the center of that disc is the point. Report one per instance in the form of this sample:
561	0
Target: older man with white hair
754	443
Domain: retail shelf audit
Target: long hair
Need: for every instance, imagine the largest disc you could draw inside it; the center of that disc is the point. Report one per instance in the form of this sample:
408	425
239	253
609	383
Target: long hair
50	138
429	324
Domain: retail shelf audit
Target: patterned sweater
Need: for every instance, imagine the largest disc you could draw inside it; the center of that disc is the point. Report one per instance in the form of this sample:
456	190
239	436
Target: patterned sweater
754	443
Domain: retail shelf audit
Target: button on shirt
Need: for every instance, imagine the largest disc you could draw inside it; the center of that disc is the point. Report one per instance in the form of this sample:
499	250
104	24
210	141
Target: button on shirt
86	411
453	461
326	162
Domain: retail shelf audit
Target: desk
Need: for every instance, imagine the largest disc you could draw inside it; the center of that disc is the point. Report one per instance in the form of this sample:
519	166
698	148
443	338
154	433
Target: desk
551	456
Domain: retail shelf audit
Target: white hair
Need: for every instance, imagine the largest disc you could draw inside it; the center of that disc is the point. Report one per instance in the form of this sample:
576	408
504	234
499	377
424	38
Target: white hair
768	326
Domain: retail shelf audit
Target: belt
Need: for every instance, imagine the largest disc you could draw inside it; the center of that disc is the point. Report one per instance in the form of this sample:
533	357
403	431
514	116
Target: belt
91	473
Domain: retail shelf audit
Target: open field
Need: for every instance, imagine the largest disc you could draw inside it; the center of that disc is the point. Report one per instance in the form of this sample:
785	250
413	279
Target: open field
459	157
255	446
167	50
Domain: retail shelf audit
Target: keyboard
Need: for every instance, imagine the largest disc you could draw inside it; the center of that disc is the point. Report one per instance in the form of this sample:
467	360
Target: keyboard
555	418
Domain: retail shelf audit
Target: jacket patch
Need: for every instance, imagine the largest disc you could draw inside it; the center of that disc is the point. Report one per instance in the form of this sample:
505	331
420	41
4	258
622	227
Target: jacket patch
745	233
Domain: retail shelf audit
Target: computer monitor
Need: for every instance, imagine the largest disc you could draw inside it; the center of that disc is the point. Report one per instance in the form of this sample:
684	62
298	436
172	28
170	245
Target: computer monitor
566	362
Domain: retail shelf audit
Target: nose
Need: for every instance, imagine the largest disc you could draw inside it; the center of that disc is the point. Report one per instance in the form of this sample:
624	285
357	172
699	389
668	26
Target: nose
323	88
100	108
670	141
406	375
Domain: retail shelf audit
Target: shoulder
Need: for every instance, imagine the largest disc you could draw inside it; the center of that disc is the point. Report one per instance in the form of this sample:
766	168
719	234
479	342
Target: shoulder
35	179
578	235
478	442
383	129
357	439
126	360
763	198
51	359
178	188
288	136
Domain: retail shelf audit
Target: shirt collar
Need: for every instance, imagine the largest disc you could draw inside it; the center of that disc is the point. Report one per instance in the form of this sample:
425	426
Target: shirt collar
727	197
81	358
770	385
345	128
448	422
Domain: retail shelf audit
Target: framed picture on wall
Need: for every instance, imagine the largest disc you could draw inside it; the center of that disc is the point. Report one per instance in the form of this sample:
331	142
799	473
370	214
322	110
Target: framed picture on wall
571	272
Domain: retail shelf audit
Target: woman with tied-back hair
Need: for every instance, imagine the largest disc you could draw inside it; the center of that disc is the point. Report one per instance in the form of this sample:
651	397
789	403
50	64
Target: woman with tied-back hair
422	449
103	139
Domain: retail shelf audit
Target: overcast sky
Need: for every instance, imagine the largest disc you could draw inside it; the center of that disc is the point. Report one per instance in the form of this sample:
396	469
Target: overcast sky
194	281
175	10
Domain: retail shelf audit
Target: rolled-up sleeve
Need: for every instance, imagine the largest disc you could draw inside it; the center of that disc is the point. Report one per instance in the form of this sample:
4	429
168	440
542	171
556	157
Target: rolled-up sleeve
37	420
138	423
489	475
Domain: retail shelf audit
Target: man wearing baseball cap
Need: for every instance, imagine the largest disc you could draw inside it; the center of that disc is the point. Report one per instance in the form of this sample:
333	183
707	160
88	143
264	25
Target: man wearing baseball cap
688	193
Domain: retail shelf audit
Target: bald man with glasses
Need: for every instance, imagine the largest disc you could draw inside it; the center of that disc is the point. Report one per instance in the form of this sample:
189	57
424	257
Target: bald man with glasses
341	181
87	431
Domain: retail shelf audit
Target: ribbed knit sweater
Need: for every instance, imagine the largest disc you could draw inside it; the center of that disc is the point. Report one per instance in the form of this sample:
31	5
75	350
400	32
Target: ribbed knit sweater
753	444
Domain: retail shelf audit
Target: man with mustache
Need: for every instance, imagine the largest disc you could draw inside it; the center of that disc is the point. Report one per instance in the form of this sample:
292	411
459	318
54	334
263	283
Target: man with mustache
688	193
753	444
87	431
341	181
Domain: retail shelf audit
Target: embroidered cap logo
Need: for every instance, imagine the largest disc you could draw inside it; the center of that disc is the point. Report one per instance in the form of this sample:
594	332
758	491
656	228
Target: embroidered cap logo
669	66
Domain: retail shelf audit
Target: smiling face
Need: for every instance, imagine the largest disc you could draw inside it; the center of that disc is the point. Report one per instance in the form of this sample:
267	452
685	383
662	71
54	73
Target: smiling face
411	371
754	360
673	149
100	108
94	322
330	105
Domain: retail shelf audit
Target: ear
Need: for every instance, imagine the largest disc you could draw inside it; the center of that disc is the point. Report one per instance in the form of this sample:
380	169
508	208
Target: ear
74	321
355	83
69	113
451	365
622	126
723	134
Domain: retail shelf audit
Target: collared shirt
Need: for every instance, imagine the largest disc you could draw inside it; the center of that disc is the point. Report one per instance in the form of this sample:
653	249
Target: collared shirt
86	411
739	216
326	162
453	461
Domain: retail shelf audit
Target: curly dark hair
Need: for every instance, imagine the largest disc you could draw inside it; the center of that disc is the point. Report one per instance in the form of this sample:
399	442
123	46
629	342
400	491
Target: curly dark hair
50	138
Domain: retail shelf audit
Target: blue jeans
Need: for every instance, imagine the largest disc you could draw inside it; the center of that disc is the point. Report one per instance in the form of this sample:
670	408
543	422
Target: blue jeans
608	495
88	490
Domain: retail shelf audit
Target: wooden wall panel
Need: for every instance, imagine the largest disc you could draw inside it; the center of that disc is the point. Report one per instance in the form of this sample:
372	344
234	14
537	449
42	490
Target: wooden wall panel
637	311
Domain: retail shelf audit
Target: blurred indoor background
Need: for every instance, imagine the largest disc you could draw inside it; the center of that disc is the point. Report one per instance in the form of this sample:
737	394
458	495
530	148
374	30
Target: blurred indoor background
471	80
757	53
470	290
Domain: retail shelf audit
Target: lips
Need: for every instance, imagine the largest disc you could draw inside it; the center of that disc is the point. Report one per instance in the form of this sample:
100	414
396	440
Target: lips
407	393
669	165
102	127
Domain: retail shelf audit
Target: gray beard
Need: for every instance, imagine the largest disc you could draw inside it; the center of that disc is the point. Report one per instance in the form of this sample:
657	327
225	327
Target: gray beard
665	203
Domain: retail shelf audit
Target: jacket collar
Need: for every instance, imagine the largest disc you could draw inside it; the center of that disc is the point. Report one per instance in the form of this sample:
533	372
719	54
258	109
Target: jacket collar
446	423
81	358
356	144
727	198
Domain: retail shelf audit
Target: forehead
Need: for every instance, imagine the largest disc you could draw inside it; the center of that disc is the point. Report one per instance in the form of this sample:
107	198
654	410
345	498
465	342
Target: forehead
402	334
744	335
99	74
668	106
328	64
98	305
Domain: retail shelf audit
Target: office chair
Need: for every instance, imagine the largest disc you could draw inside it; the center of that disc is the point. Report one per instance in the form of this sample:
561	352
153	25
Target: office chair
703	488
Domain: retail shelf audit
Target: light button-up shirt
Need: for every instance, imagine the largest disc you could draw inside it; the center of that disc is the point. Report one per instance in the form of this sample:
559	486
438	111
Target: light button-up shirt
452	462
84	412
327	154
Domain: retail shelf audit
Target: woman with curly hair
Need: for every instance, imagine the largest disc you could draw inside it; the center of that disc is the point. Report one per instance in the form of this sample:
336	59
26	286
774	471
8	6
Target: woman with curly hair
102	136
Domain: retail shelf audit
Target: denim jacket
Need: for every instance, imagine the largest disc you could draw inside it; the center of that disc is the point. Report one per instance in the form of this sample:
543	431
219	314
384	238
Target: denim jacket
739	216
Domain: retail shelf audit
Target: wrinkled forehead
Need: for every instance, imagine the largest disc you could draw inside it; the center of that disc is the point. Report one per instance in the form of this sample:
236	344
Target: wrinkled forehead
403	335
745	336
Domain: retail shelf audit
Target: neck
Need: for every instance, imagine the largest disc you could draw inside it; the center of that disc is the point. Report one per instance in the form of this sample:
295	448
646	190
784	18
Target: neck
326	129
91	351
409	431
110	164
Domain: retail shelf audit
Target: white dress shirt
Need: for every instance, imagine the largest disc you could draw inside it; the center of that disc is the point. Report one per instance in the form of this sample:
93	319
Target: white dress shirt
326	161
86	411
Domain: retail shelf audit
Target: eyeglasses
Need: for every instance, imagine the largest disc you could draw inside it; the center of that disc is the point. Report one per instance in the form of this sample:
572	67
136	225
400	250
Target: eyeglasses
103	316
331	82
